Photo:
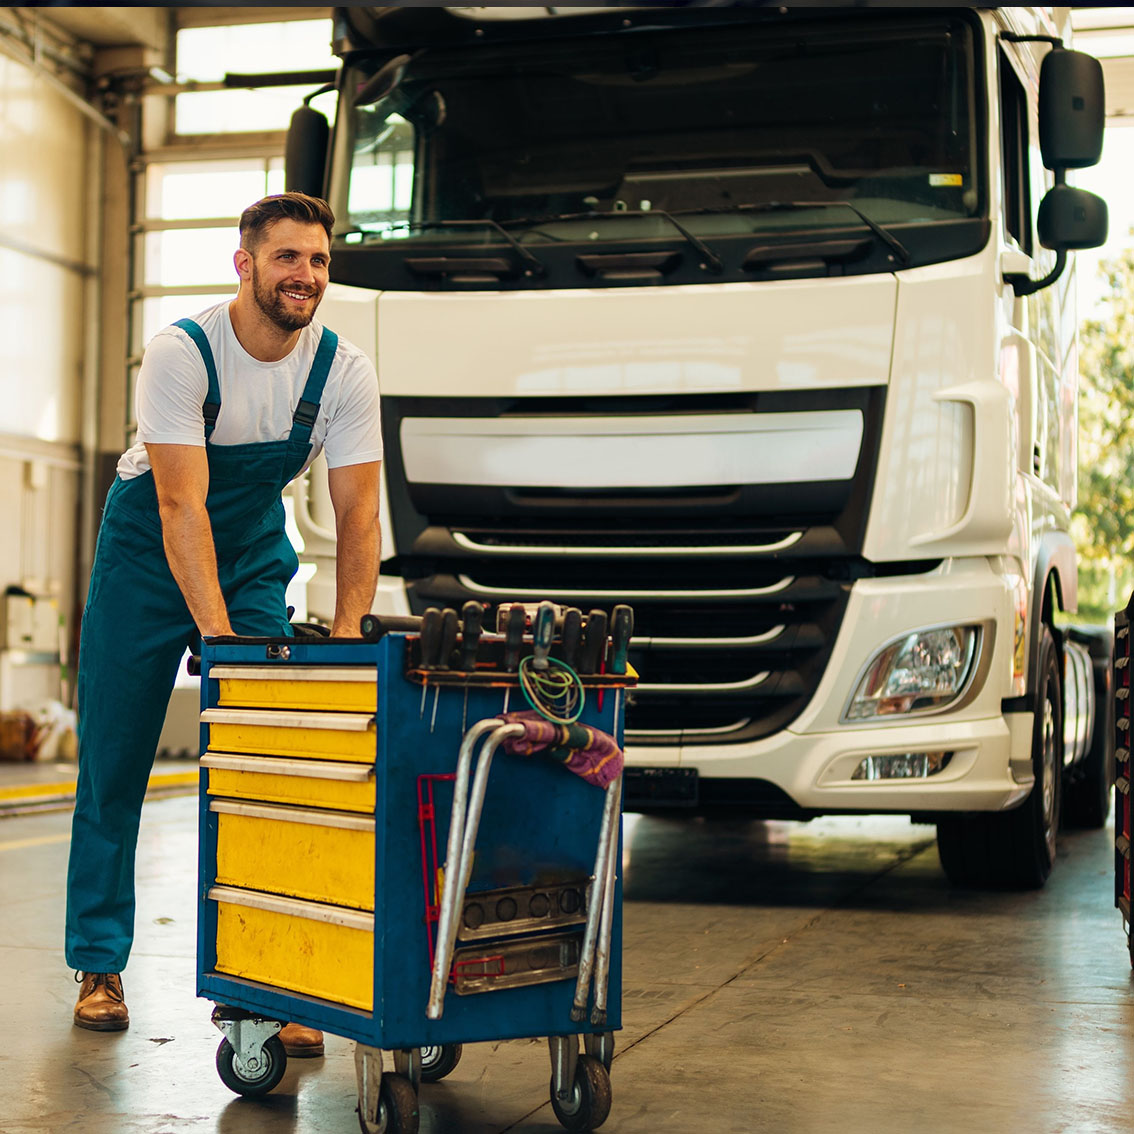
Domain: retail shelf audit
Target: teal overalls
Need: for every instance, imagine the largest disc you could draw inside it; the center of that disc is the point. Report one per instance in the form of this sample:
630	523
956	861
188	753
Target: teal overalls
135	630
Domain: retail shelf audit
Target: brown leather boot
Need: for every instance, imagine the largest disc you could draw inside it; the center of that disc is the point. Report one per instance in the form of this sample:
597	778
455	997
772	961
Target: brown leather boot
300	1042
101	1006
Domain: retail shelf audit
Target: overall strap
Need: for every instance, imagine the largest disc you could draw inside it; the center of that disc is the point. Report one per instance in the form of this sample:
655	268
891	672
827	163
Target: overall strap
305	413
211	406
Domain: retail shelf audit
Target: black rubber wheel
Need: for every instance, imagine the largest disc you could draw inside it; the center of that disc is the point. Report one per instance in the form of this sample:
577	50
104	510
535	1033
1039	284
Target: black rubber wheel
439	1061
589	1103
274	1065
397	1107
1086	795
1015	850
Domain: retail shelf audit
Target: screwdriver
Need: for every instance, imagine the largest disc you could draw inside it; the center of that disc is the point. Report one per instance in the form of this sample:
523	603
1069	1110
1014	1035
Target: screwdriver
543	626
513	637
571	633
621	627
594	642
448	637
430	637
472	622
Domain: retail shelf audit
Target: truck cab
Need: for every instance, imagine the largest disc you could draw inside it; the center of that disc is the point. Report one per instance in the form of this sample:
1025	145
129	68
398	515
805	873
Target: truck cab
762	321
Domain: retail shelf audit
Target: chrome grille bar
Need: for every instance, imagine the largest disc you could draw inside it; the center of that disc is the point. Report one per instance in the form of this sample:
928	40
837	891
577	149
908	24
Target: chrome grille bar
624	595
632	552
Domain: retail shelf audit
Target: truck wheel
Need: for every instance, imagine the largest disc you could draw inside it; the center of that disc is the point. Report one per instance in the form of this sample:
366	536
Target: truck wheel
1086	795
1016	849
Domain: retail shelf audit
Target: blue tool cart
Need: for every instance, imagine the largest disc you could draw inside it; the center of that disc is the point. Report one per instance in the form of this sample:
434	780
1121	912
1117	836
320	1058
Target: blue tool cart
380	861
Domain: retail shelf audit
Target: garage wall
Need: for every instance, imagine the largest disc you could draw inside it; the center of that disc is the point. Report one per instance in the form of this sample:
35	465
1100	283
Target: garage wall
46	281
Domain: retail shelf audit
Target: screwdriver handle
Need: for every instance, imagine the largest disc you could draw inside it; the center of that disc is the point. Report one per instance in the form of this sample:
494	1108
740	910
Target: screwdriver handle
621	627
594	642
472	623
572	633
448	636
543	627
430	637
513	637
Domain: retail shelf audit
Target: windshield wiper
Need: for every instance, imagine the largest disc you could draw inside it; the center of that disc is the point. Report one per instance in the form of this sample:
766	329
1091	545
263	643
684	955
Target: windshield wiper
535	265
887	237
711	262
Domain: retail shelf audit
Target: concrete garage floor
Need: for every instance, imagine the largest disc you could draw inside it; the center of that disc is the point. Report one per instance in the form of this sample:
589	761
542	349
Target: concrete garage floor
779	977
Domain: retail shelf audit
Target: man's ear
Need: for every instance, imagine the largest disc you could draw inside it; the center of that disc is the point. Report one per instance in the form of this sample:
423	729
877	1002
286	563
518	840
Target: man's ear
242	261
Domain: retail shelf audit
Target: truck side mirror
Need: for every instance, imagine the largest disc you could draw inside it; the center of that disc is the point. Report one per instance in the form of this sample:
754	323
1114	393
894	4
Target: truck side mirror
1070	219
305	156
1072	109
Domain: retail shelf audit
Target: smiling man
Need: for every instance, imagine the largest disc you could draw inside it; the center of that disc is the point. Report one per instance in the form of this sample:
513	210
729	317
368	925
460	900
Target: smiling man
232	405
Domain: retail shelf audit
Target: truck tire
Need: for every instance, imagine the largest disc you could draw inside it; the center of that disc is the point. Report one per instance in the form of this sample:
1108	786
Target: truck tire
1086	794
1015	850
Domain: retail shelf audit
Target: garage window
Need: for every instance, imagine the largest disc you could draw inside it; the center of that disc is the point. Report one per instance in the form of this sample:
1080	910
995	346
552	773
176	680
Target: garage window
205	55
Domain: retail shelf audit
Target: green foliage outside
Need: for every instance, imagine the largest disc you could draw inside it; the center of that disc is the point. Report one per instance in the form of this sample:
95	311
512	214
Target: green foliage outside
1103	523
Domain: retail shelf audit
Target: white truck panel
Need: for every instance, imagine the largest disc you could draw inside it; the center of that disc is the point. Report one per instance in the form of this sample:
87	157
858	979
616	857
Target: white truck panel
645	452
716	338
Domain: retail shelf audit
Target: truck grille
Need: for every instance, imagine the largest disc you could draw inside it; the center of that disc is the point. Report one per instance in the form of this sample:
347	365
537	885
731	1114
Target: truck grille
736	609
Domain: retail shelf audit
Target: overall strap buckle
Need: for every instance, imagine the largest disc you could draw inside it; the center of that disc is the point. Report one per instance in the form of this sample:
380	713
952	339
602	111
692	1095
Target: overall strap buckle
303	420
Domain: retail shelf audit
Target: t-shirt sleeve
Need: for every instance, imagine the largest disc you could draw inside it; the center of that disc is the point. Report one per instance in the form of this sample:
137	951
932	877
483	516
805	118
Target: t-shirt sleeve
171	388
354	430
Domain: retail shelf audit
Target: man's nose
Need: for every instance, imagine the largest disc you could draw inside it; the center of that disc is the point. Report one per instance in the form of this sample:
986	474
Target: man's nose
305	272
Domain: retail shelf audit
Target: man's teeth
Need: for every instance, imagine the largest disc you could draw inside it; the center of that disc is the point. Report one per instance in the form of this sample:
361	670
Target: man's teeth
297	294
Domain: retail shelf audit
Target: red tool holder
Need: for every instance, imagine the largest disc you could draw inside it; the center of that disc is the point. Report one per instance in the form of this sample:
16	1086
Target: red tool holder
1123	827
430	866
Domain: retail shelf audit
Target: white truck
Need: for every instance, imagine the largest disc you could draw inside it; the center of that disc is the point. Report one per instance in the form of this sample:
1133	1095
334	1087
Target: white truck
761	320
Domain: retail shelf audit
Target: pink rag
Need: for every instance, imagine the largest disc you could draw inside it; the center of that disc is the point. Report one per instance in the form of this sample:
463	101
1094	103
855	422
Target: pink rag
588	752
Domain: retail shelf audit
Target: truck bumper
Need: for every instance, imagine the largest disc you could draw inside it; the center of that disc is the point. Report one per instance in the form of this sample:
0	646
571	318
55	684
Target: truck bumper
816	770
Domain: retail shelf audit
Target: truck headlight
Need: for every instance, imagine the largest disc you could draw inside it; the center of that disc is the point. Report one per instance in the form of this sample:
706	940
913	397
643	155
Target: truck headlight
918	673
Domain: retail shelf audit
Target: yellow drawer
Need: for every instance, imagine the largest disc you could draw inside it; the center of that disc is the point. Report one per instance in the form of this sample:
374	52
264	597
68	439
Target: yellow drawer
333	736
334	688
301	946
276	779
323	856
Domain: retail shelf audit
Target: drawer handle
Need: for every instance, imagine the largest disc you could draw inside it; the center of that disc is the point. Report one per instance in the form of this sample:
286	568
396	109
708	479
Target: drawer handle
281	766
313	817
292	907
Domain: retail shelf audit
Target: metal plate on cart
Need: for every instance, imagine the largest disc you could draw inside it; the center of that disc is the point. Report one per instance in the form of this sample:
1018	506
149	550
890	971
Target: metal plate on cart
514	964
523	909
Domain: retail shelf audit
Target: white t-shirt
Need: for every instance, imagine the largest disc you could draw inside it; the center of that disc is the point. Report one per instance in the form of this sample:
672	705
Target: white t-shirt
257	398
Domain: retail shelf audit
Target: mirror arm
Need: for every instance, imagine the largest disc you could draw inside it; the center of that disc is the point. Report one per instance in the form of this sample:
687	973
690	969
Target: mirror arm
1025	285
1017	37
324	89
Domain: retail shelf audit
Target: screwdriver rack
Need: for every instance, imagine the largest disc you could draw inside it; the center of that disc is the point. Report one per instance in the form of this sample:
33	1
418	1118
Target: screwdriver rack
453	649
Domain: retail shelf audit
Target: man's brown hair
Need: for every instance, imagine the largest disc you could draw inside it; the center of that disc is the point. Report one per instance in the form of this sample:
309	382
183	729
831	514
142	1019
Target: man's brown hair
258	218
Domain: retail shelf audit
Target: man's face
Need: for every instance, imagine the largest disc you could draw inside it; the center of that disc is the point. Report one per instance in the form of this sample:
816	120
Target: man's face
289	273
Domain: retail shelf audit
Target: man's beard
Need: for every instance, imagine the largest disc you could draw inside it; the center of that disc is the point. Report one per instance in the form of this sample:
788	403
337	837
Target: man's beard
275	308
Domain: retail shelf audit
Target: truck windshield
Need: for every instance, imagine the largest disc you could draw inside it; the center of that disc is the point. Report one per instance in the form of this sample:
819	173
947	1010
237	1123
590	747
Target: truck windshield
729	128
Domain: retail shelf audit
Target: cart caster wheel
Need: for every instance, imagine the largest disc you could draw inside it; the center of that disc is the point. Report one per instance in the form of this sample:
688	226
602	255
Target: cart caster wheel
439	1061
274	1060
397	1107
589	1103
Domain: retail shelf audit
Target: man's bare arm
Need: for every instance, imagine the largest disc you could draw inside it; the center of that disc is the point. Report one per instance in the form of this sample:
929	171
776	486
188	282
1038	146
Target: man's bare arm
355	496
181	477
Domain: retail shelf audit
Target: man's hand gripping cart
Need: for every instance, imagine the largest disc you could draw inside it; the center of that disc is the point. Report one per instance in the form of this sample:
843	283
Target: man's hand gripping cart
311	913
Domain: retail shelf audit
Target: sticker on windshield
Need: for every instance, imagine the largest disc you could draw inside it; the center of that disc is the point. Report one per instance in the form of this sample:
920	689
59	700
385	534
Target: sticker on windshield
952	180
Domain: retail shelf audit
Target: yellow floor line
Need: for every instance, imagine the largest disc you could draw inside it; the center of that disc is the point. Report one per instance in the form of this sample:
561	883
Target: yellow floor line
44	840
67	787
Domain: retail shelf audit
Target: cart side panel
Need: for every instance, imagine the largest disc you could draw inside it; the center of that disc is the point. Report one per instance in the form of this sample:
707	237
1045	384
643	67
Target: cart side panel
540	826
